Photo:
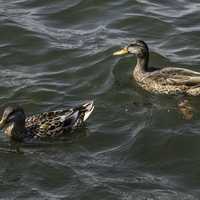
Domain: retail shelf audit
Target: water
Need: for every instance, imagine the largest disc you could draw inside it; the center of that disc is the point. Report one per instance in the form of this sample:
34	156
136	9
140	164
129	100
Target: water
136	145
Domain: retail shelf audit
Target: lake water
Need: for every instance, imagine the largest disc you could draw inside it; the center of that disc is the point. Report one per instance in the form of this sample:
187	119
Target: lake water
135	145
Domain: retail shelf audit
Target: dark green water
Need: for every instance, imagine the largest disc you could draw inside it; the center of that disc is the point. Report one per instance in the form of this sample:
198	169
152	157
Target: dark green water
135	145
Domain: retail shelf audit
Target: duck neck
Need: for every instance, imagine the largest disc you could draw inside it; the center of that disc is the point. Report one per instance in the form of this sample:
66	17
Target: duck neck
142	63
16	132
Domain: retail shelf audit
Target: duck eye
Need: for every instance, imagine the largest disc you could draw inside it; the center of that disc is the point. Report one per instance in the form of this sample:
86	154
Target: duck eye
132	45
10	117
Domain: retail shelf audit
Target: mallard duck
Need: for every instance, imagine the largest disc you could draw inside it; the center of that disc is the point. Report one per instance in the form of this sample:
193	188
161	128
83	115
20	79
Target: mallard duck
169	80
18	127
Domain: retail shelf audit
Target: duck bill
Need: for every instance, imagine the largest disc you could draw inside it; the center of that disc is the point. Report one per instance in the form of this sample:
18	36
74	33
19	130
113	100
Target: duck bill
121	52
2	123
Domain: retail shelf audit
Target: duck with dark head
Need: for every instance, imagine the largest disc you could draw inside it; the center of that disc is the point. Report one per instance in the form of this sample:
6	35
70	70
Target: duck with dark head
169	80
52	124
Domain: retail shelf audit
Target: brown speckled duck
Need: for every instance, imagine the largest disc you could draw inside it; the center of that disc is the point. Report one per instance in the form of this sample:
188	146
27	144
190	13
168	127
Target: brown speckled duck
53	124
169	80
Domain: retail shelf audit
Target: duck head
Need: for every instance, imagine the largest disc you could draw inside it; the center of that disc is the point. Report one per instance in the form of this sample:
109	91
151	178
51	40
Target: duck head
13	122
139	48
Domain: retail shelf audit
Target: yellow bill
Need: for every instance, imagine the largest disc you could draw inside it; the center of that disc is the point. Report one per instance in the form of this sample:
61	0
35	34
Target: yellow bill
121	52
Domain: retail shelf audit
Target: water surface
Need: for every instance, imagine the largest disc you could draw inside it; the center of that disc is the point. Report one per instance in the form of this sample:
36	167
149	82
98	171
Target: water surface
135	145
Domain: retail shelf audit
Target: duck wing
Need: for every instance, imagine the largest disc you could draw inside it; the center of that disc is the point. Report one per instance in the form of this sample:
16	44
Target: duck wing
180	71
52	124
176	76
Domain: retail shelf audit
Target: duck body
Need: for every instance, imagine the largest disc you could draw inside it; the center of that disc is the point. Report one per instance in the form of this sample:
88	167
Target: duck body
169	80
45	125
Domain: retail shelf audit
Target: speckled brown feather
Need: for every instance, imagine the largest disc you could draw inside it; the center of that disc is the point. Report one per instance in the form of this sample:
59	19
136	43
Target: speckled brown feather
169	81
51	124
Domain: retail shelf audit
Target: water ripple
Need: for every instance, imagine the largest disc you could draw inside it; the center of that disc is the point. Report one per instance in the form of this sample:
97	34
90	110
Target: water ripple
136	145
